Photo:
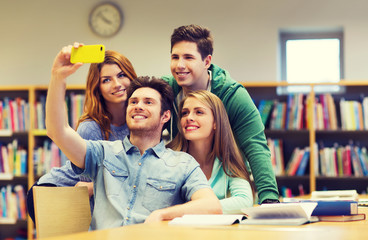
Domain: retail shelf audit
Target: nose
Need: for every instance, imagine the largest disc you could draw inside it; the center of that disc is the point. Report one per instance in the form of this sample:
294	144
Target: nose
190	117
116	83
138	106
180	63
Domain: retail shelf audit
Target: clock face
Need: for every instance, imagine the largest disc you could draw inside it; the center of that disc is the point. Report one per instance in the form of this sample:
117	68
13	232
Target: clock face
105	20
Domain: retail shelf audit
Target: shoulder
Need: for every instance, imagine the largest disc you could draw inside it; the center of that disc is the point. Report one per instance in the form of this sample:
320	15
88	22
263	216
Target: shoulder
223	85
173	84
108	146
89	125
89	129
172	157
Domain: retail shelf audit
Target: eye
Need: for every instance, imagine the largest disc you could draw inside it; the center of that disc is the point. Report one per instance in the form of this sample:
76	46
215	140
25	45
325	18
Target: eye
132	102
200	112
184	113
121	75
149	102
174	57
105	80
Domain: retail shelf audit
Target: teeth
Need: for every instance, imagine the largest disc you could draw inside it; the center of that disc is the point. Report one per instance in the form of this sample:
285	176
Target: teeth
138	117
118	92
191	128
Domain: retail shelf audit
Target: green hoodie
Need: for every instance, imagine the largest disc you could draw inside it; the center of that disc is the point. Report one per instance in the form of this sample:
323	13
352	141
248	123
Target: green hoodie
246	125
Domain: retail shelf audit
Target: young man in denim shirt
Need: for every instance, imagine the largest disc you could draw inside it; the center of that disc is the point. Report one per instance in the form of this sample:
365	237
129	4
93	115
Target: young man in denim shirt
135	180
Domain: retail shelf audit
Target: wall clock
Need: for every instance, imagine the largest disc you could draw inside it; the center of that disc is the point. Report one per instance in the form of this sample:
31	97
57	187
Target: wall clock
106	19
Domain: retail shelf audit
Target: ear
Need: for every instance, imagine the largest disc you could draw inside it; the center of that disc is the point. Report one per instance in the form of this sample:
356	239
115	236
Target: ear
166	117
214	126
208	61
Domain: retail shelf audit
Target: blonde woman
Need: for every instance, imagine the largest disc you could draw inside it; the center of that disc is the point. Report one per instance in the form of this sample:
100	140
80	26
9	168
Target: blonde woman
205	133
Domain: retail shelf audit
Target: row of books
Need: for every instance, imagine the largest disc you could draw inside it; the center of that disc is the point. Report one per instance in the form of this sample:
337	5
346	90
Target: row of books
325	113
13	159
74	104
292	114
14	114
46	157
284	115
12	202
297	164
354	114
286	192
335	161
349	160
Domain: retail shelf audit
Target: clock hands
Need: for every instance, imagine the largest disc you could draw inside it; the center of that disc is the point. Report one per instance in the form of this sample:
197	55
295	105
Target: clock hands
103	17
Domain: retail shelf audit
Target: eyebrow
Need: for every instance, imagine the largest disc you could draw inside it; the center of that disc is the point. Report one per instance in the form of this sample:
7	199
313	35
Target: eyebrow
145	98
196	108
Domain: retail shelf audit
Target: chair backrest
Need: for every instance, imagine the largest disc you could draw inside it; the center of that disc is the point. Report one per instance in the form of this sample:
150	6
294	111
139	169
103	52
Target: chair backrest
61	210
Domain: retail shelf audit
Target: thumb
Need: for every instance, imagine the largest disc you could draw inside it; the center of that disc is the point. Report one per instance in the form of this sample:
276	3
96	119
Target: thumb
75	67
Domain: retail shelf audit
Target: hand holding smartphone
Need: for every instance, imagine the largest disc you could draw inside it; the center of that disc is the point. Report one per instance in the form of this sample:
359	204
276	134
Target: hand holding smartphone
88	54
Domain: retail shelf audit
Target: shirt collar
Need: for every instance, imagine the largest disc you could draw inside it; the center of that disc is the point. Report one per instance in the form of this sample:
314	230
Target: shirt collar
158	150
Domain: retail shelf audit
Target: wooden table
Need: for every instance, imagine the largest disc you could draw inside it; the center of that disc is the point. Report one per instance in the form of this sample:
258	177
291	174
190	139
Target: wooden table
162	231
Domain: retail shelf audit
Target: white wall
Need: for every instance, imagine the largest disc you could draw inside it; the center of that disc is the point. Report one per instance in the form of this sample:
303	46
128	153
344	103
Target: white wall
245	33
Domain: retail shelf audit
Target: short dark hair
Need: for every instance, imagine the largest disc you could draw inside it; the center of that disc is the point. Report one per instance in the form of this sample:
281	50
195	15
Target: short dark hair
197	34
161	86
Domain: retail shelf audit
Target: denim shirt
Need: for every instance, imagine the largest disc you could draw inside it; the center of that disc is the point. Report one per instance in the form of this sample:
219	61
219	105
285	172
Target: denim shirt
128	186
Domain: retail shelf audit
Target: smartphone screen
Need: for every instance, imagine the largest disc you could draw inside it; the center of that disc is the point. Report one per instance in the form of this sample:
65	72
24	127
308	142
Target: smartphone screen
88	54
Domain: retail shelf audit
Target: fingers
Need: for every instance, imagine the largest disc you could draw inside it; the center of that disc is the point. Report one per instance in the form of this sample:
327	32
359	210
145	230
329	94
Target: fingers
66	51
77	44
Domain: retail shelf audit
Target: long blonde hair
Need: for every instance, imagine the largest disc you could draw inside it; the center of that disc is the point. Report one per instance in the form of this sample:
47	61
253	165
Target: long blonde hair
94	106
224	146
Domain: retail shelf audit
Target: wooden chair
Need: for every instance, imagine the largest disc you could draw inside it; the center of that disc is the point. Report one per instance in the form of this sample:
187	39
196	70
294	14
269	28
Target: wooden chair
61	210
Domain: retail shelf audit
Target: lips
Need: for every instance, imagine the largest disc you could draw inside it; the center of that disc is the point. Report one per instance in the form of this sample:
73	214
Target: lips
191	128
120	92
182	74
139	117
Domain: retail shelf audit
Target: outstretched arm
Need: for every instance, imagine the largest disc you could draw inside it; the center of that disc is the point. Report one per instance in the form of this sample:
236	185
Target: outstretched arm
58	129
203	201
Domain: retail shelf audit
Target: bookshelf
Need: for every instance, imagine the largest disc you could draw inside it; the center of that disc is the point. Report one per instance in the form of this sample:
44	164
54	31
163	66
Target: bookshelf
311	133
28	138
33	137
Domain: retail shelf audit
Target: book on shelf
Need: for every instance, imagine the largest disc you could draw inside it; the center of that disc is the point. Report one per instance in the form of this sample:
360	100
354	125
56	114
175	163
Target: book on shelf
12	202
331	112
280	214
298	156
303	162
277	155
365	112
265	108
207	219
46	157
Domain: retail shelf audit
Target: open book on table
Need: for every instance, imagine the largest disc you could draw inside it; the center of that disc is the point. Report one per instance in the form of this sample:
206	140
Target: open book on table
207	219
266	214
280	214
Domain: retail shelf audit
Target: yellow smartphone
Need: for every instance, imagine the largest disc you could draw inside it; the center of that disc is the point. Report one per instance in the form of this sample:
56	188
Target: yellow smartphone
88	54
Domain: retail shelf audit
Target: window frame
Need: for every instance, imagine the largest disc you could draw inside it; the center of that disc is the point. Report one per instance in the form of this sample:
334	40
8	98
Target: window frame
285	35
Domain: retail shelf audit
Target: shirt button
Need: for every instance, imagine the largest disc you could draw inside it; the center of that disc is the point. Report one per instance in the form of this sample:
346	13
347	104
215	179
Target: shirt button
134	186
128	208
139	164
160	187
126	218
113	171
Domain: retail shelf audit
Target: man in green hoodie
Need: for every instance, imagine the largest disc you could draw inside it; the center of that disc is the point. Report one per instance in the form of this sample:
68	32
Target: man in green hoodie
191	68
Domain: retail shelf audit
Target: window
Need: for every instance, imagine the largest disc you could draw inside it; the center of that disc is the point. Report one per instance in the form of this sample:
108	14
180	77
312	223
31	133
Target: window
311	57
